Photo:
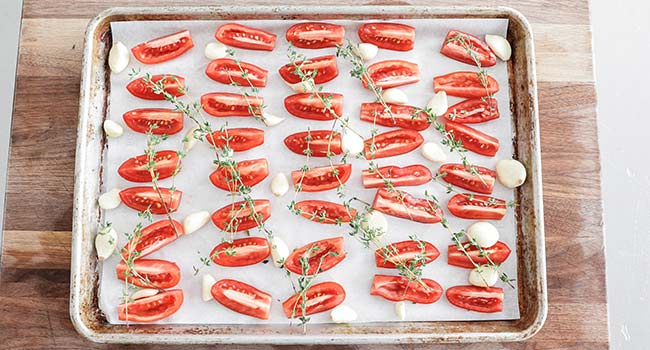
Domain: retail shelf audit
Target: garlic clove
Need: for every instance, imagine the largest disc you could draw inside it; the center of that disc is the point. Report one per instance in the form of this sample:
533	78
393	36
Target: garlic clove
144	293
511	173
195	221
279	251
118	57
500	46
343	314
105	243
433	152
438	105
367	51
395	95
206	287
189	141
113	129
279	185
483	233
351	143
303	86
110	199
272	120
400	310
375	221
483	276
215	51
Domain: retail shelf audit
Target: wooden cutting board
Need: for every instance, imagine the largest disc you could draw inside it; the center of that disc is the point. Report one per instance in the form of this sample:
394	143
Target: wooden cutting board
34	274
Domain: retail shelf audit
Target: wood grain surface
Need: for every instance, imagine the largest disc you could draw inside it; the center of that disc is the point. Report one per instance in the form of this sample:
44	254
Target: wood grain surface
34	274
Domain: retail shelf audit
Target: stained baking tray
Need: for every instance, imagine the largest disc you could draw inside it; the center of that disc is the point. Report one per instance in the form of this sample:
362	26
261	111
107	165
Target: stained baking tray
84	310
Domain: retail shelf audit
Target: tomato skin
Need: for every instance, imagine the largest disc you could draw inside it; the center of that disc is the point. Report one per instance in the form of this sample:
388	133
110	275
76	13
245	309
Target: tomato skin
226	290
308	106
238	139
164	48
321	178
324	247
226	71
243	221
325	66
327	295
479	299
172	83
472	111
325	212
465	84
392	73
392	143
478	208
412	175
417	209
315	35
459	175
246	251
498	253
237	35
398	288
251	172
391	36
153	237
135	169
402	116
160	273
153	308
168	121
226	104
141	197
473	140
453	48
405	252
318	144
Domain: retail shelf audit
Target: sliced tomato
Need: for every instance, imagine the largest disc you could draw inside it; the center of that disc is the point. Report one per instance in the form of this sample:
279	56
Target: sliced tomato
392	143
142	198
152	238
465	84
477	299
242	298
392	73
472	139
227	71
318	298
241	252
477	207
239	216
164	48
226	104
315	35
498	253
327	253
161	274
325	212
319	142
467	48
475	110
251	172
237	139
153	308
173	84
401	116
237	35
391	36
406	253
398	288
321	178
135	169
412	175
460	175
324	66
309	106
403	205
167	121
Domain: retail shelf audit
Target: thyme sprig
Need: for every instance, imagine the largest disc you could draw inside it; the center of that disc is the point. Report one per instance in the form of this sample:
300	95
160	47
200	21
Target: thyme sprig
256	111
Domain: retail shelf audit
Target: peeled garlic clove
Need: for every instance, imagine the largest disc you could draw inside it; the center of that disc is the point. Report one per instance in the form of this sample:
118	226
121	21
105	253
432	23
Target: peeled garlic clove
105	243
189	141
400	310
511	173
113	129
367	51
376	222
118	57
351	143
144	293
303	86
484	233
343	314
110	199
279	251
438	105
394	95
272	120
483	276
214	51
206	287
195	221
433	152
500	46
279	185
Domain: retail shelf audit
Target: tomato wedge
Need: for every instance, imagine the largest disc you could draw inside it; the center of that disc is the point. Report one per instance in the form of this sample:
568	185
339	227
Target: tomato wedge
251	172
479	299
498	253
459	175
161	274
477	207
319	297
173	84
226	104
164	48
153	308
392	73
392	143
142	198
403	205
473	140
400	116
135	169
412	175
475	110
324	66
465	84
167	121
240	216
315	35
308	106
458	45
319	140
237	139
242	298
329	250
391	36
227	71
241	252
325	212
406	253
237	35
153	237
321	178
398	288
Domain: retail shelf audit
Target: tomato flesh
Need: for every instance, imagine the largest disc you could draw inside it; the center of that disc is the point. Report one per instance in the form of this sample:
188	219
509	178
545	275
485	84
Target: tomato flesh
240	216
391	36
392	73
330	251
226	104
319	297
237	35
152	238
398	288
479	299
403	205
319	142
309	106
465	84
405	253
472	111
498	253
315	35
324	66
400	116
166	121
156	273
153	308
242	298
321	178
459	175
251	172
412	175
227	71
164	48
477	207
325	212
135	169
392	143
457	44
173	84
142	198
237	139
241	252
472	139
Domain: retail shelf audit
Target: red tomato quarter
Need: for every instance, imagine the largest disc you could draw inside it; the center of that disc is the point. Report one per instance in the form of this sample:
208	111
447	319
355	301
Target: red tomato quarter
475	110
153	237
473	140
477	207
412	175
238	139
156	273
400	116
173	85
237	35
392	143
167	121
153	308
315	35
391	36
164	48
392	73
142	198
458	45
405	253
325	212
325	67
308	106
241	252
321	178
226	104
498	253
240	216
227	71
135	169
251	172
459	175
319	297
242	298
477	299
404	205
398	288
465	84
330	251
319	140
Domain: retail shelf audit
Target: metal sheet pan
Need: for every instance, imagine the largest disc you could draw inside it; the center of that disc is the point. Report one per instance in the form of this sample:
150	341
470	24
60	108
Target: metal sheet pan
95	87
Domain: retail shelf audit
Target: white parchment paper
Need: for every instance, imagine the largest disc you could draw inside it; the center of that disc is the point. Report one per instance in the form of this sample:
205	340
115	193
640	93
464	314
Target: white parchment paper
356	272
